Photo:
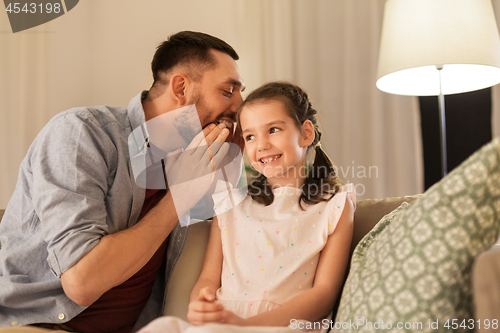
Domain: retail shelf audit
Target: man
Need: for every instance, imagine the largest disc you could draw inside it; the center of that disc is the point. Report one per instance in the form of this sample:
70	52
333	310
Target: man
82	245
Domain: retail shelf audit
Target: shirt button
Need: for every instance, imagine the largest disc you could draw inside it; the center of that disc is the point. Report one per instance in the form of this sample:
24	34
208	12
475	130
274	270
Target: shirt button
14	323
61	316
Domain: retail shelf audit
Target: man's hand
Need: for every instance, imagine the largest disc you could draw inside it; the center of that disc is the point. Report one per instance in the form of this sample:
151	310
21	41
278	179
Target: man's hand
191	175
203	310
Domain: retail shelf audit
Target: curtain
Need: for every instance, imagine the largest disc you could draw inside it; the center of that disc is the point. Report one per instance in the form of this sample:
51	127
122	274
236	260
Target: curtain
330	48
99	53
495	90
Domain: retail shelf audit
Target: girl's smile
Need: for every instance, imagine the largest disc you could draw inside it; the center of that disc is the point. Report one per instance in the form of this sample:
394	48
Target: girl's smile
268	160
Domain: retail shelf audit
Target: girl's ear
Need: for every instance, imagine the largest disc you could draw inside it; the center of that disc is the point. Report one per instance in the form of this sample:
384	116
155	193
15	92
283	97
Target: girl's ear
308	133
179	85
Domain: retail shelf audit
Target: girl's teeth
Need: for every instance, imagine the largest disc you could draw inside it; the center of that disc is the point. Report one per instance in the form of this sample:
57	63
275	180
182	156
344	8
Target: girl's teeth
271	159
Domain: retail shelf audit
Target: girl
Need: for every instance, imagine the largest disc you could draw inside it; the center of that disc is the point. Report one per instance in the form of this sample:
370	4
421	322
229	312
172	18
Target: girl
278	256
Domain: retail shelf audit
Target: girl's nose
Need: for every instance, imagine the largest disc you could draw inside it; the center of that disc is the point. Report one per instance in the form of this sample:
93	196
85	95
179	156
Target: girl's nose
263	144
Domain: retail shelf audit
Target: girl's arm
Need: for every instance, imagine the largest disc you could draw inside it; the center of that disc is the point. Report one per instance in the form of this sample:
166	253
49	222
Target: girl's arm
201	307
317	302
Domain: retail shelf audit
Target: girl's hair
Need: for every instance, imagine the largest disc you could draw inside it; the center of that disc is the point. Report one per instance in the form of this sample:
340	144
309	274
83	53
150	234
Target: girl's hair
321	182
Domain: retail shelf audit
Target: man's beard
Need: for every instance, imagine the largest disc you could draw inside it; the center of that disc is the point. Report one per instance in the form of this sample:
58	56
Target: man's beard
201	107
204	111
189	123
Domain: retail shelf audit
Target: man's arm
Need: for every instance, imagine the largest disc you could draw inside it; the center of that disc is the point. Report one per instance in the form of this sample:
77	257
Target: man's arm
119	256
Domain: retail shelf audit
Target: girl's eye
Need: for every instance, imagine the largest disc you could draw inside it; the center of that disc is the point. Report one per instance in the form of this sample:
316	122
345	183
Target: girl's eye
249	137
274	130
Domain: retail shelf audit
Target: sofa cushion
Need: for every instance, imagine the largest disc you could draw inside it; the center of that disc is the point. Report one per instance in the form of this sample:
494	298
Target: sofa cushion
415	265
186	270
370	211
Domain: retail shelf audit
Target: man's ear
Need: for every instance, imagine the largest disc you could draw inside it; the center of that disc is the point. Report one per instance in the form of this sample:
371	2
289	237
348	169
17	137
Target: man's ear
308	133
179	84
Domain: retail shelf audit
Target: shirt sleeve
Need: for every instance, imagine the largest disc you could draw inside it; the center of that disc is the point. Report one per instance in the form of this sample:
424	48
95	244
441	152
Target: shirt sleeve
337	206
71	166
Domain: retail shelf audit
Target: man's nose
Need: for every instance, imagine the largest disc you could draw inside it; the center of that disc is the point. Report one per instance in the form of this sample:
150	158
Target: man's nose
238	99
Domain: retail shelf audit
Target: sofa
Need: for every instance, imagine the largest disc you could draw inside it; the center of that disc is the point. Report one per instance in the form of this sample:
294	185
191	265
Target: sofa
485	281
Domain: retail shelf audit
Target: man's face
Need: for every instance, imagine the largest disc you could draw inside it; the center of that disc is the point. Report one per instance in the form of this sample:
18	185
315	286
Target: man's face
218	95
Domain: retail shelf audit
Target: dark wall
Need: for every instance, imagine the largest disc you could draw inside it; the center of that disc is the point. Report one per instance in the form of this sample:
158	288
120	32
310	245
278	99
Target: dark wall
468	127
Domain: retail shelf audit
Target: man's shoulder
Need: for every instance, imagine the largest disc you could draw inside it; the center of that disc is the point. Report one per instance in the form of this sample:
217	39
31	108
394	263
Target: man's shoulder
90	126
100	116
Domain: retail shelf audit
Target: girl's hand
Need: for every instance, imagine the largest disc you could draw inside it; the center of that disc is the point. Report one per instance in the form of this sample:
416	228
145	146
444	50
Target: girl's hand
203	310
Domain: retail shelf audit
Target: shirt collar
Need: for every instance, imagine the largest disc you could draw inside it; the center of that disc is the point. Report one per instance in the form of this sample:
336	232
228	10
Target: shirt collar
135	110
139	136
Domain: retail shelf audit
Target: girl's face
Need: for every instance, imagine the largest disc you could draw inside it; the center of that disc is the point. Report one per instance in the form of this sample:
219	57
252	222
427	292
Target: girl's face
275	146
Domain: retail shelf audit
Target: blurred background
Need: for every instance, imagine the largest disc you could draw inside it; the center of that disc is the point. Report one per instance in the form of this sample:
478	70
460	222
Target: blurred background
99	53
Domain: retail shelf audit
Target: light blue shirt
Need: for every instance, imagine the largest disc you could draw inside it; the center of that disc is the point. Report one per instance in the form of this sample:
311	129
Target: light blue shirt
75	186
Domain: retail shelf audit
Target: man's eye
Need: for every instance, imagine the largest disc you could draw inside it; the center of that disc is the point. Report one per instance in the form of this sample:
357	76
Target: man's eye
274	130
227	93
249	137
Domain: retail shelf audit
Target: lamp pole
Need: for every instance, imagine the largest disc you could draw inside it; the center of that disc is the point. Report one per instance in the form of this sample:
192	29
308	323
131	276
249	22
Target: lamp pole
442	123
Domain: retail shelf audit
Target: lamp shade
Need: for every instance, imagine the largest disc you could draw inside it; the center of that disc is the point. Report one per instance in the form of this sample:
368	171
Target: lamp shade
418	35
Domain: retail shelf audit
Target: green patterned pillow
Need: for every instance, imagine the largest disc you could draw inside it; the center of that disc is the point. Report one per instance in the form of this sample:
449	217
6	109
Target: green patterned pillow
412	272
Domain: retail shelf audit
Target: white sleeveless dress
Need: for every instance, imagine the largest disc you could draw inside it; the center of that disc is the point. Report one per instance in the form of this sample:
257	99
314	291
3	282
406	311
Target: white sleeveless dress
270	254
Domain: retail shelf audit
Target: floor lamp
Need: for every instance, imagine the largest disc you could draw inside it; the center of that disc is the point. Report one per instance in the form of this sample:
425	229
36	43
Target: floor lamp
438	47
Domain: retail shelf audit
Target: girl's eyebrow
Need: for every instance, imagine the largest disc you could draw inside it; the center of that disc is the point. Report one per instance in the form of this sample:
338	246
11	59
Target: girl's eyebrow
265	125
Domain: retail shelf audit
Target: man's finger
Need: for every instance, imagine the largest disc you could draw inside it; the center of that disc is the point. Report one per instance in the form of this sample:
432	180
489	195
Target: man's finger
221	153
217	134
200	138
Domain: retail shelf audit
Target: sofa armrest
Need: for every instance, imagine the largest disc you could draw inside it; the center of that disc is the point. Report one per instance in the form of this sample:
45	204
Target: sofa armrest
486	286
186	270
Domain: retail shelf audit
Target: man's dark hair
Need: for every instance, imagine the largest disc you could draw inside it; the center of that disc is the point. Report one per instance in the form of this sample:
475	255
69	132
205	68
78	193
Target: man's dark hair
191	49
